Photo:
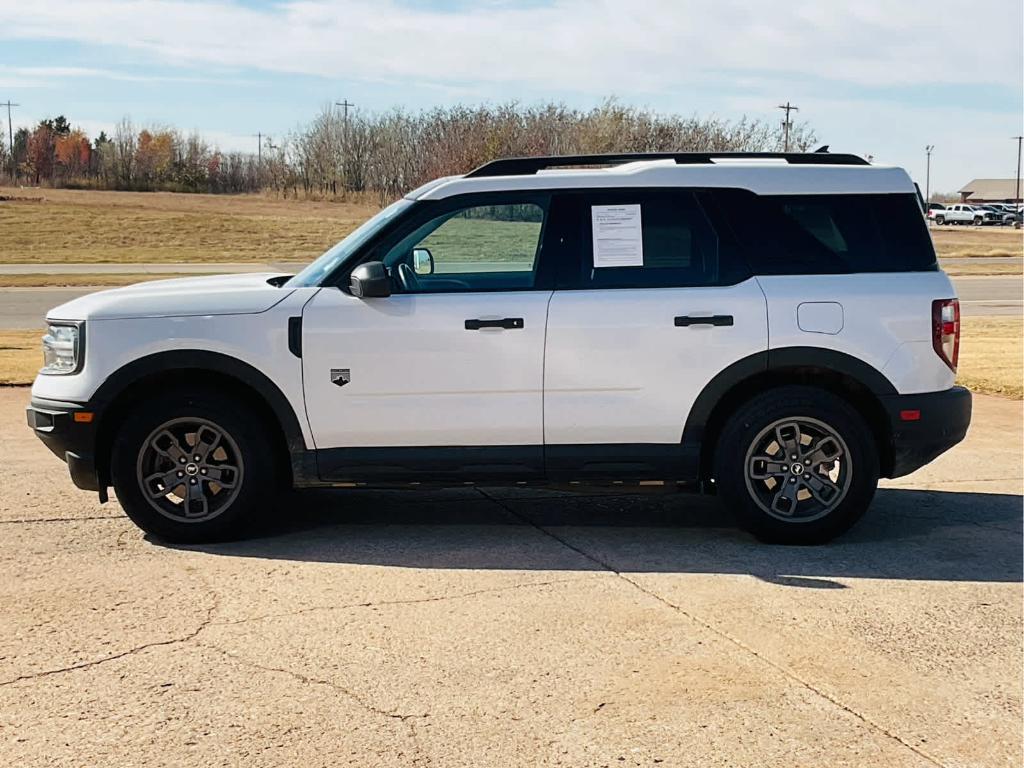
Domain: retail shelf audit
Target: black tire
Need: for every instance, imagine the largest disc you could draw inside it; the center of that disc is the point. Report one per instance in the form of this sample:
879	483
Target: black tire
736	456
940	220
978	221
254	479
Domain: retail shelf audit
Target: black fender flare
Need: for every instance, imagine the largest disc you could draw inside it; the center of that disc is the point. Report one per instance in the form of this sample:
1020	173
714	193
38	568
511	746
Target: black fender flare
216	362
778	360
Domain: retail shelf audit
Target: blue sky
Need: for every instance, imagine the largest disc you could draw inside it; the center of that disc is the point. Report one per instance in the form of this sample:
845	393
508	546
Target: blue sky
879	77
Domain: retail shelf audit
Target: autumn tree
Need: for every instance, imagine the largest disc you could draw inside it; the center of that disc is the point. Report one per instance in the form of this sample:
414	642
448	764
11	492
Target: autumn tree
40	152
73	154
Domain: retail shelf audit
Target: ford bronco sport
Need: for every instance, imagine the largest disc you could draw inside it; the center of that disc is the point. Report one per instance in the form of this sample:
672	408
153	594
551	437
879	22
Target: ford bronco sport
773	328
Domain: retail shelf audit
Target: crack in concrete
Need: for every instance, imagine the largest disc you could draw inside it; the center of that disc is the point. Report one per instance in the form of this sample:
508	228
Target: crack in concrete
779	667
310	680
407	601
189	636
23	521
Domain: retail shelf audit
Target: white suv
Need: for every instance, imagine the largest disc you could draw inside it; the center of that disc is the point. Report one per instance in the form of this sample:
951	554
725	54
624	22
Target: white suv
773	328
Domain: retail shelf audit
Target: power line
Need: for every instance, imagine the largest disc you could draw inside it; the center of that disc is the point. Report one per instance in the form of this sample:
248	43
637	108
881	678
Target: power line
10	132
786	124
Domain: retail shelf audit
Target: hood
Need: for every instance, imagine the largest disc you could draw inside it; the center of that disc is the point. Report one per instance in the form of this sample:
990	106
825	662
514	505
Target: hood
216	295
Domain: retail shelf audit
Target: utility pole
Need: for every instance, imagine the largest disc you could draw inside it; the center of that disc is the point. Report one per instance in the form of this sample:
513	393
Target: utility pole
787	107
928	175
344	104
1018	139
10	133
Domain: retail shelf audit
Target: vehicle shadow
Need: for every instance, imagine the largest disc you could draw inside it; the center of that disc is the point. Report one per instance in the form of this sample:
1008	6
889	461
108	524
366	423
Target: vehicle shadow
907	534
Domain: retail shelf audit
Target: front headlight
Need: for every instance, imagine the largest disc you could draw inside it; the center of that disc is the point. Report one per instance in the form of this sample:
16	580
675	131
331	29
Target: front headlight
62	349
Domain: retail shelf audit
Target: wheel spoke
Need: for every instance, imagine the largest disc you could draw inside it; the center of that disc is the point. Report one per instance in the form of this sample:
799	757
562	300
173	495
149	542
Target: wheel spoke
821	488
168	480
785	500
788	437
196	504
224	475
765	467
824	451
167	445
207	440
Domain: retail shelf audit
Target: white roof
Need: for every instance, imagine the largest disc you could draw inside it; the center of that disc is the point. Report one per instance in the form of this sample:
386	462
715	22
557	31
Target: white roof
763	176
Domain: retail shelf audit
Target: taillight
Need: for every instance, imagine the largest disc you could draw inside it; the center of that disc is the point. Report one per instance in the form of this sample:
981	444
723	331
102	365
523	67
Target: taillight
946	330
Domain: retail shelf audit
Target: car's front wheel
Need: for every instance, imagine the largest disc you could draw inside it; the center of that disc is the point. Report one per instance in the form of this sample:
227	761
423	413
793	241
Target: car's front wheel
192	467
796	465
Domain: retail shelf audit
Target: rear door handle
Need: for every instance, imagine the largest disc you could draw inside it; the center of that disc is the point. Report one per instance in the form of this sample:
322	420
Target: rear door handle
686	320
507	322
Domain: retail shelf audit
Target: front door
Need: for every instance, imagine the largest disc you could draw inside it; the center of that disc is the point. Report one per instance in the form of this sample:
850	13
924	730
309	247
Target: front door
445	376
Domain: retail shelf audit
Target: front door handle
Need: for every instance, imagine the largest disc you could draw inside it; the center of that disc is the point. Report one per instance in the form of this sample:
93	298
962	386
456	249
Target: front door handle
687	320
507	322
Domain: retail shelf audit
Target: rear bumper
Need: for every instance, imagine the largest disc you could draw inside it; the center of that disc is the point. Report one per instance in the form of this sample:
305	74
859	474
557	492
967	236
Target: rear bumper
72	441
942	423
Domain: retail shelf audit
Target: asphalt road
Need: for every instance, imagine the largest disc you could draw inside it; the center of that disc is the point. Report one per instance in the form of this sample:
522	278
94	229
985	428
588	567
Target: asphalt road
516	628
1002	295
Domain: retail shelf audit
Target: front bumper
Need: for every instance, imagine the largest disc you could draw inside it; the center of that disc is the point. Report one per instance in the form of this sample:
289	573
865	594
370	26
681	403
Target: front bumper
73	441
942	419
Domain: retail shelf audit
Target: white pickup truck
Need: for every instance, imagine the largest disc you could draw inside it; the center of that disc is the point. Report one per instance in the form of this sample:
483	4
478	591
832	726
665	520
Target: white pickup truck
966	214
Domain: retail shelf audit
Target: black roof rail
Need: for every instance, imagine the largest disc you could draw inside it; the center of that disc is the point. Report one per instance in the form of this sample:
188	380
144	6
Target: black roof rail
524	166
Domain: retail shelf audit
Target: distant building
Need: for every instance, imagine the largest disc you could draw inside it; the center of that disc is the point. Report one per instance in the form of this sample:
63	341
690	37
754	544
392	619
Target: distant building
990	191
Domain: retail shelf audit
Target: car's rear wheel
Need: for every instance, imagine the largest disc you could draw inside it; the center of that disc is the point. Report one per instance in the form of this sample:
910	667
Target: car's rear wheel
796	465
940	220
192	467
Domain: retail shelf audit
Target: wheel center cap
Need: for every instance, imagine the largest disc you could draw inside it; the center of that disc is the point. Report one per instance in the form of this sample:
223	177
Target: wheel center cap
797	469
191	469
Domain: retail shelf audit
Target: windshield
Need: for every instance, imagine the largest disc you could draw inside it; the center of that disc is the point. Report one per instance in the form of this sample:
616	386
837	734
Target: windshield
325	264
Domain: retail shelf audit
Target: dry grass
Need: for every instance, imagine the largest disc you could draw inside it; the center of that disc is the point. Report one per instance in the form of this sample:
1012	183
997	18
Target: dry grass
65	226
968	242
961	268
20	356
85	279
992	355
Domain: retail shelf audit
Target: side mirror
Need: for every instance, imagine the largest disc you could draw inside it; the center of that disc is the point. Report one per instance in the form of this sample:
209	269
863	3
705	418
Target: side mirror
422	261
370	281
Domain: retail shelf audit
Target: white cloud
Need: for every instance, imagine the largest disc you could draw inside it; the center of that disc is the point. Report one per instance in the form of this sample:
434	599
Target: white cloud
571	45
36	77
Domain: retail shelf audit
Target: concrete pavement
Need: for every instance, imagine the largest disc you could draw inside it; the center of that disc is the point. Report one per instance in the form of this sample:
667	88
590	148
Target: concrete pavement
516	628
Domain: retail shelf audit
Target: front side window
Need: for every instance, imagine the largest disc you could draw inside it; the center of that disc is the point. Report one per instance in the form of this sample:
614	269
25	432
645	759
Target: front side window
470	248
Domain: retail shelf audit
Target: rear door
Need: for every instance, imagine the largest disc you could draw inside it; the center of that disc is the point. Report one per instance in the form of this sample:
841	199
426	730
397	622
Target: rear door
656	303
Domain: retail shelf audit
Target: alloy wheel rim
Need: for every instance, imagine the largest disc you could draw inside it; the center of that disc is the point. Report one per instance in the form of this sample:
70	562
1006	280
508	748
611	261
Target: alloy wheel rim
798	469
189	470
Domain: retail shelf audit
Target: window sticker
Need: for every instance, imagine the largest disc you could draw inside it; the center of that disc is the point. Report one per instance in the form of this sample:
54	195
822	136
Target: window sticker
618	237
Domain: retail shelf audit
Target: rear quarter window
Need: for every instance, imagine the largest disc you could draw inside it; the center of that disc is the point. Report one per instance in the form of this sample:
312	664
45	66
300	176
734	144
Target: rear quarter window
837	234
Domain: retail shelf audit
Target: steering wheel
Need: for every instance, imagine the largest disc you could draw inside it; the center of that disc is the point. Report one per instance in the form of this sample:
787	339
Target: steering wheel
407	278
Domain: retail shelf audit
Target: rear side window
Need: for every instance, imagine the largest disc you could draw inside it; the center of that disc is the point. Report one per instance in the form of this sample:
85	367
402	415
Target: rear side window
653	239
838	234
